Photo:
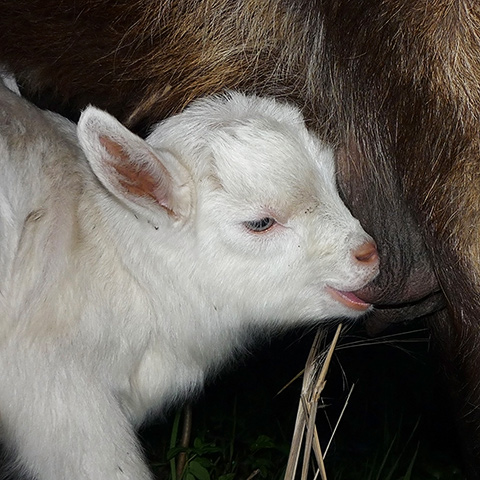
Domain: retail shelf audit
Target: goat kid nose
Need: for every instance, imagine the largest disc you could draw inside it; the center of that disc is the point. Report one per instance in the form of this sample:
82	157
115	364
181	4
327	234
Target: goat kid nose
367	253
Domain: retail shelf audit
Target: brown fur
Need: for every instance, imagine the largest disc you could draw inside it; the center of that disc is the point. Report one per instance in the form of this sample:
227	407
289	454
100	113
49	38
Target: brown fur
144	60
417	66
396	82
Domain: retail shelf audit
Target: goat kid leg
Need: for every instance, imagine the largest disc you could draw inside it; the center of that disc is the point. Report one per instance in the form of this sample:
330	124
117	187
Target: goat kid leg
64	425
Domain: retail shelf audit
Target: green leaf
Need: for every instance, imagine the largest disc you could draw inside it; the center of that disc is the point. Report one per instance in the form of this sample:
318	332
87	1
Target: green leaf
198	471
173	452
200	447
263	441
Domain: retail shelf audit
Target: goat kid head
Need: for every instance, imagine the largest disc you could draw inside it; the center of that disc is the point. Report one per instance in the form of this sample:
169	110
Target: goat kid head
241	196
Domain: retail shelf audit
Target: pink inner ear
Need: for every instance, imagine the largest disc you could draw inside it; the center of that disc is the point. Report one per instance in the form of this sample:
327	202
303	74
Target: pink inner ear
135	179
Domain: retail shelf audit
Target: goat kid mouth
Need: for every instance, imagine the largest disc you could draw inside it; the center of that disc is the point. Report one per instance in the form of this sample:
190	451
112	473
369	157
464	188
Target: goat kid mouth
349	299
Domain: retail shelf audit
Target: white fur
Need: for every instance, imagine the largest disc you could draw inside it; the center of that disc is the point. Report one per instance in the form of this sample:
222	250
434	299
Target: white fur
128	273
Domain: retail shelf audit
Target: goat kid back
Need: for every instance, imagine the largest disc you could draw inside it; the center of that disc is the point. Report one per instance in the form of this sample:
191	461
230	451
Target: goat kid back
130	269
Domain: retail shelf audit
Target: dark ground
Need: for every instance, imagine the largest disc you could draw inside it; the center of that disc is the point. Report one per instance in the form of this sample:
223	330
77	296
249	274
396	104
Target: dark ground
397	424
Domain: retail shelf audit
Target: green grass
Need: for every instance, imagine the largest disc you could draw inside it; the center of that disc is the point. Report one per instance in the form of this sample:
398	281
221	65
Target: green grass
396	425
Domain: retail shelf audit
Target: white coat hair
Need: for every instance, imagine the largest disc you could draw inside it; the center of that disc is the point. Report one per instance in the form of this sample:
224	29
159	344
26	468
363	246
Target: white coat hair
131	269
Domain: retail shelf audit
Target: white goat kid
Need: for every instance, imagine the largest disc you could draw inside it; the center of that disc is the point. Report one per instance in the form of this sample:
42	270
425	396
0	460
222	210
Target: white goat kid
131	268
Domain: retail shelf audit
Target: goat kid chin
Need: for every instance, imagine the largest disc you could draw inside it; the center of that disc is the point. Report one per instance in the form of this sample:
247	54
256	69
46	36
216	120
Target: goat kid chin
132	268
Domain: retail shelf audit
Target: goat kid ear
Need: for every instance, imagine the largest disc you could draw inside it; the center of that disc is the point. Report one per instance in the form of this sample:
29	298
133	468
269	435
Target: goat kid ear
130	169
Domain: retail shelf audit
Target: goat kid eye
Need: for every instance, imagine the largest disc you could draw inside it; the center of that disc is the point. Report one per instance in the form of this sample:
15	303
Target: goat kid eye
260	225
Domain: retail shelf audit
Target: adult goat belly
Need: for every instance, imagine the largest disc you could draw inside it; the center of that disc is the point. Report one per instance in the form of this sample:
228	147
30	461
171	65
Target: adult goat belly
412	73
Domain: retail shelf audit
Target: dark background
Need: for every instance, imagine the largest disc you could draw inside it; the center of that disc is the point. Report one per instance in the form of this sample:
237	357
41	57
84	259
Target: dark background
397	424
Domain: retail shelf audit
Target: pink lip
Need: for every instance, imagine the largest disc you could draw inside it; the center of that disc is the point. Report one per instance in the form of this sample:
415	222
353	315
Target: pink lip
349	299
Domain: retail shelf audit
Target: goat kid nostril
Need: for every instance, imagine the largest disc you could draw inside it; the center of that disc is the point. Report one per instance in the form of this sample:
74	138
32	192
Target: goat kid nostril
367	253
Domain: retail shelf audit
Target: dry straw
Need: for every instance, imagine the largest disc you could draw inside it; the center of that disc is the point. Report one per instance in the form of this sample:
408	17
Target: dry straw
305	433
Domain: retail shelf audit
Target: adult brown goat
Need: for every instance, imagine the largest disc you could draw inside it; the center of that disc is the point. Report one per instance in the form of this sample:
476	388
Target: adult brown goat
395	84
